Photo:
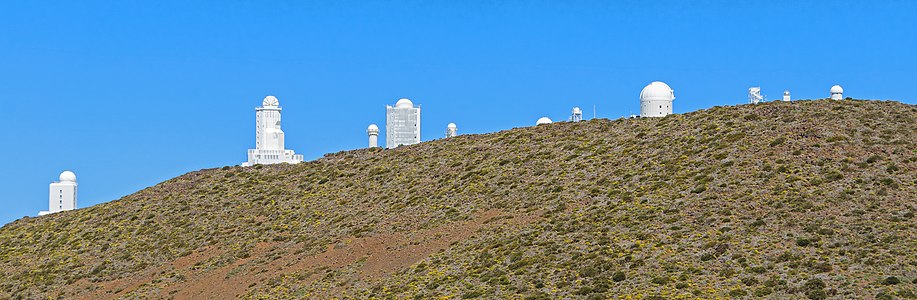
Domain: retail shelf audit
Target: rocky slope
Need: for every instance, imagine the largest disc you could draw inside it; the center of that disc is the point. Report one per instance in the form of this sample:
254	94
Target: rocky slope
783	200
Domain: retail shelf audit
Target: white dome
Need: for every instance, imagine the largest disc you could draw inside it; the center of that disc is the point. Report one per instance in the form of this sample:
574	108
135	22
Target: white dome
67	176
404	103
451	126
544	120
372	127
787	93
657	90
270	101
577	111
836	89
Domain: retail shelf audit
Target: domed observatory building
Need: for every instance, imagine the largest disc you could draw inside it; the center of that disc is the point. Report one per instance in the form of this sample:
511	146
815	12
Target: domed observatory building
269	139
837	92
373	132
402	124
451	130
543	120
656	100
62	194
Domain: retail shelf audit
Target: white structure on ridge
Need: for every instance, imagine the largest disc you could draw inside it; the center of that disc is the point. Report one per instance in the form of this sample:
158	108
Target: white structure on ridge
786	95
837	92
577	115
402	124
373	132
754	95
269	140
656	100
62	194
543	120
451	130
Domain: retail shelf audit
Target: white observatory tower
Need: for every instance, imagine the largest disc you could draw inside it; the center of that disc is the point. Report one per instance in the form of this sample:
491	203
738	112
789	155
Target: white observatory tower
451	130
62	194
373	132
656	100
402	124
269	139
543	120
754	95
837	92
786	95
577	115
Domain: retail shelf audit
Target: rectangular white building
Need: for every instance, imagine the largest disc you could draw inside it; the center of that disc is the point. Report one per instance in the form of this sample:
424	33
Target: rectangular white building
402	124
61	194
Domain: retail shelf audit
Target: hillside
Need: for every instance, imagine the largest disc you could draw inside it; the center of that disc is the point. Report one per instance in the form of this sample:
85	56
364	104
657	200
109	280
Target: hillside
784	199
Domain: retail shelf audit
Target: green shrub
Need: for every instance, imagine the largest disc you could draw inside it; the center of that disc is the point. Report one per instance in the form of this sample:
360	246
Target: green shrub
891	280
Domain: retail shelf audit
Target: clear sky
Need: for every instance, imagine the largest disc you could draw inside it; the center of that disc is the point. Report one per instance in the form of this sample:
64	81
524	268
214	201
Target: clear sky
130	93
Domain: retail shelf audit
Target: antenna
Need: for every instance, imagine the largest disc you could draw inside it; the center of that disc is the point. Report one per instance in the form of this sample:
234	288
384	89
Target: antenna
593	111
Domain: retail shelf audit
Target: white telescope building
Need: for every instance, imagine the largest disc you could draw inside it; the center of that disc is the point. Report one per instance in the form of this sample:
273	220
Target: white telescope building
451	130
62	194
837	92
402	124
656	100
269	140
543	120
373	132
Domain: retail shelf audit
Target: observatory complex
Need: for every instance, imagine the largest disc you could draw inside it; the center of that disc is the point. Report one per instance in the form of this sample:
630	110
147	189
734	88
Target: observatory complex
402	124
786	95
837	92
62	194
269	142
656	100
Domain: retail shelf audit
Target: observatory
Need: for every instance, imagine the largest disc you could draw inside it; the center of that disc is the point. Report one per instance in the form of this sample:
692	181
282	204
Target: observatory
786	95
837	92
543	120
62	194
577	115
754	95
451	130
656	100
402	124
269	139
373	132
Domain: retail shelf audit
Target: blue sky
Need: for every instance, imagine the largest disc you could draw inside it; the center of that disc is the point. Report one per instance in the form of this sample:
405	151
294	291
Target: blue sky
130	93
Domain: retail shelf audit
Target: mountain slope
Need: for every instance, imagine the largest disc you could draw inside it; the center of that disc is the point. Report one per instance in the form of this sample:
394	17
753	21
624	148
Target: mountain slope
800	199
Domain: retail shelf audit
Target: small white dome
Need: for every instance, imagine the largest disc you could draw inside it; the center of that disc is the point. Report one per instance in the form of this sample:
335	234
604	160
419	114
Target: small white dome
577	111
451	126
786	93
837	89
544	120
270	101
657	90
67	176
372	127
404	103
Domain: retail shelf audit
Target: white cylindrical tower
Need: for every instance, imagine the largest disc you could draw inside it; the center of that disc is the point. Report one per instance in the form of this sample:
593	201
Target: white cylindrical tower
543	120
373	132
577	115
837	92
656	100
451	130
786	95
